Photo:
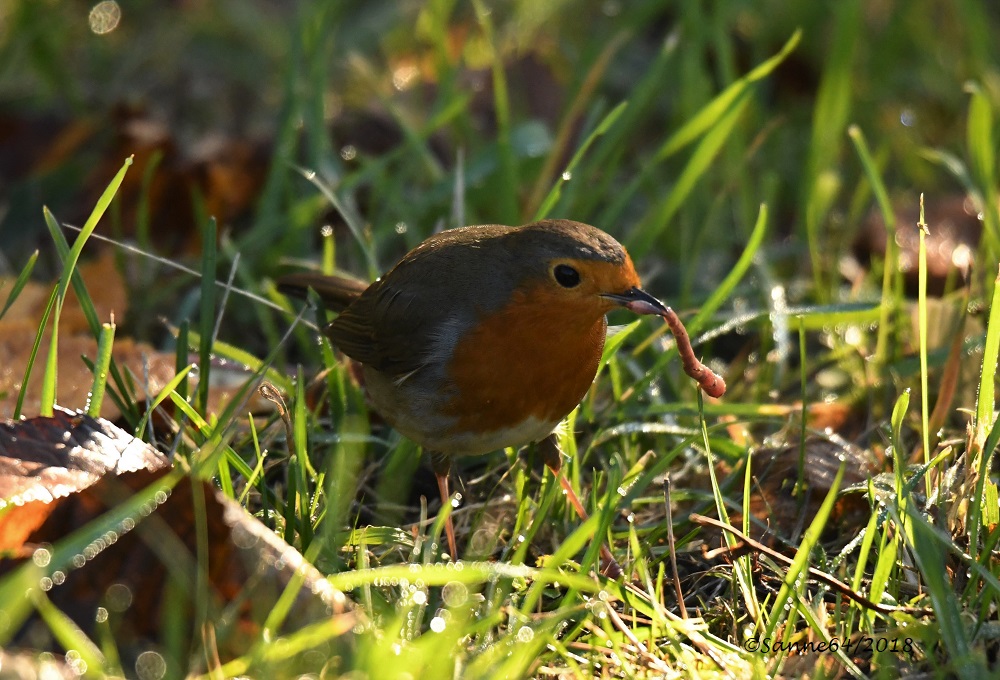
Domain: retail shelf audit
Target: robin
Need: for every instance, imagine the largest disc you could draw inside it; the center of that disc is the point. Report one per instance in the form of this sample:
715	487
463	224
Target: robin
484	337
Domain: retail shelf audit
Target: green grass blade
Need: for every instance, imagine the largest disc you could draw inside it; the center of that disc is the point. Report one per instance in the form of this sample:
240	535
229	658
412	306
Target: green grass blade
743	577
703	120
50	379
553	197
986	400
982	157
66	631
884	566
244	358
986	429
898	457
16	585
104	346
506	209
168	389
725	289
712	112
20	283
922	332
929	549
125	405
642	240
866	546
830	114
801	560
889	297
29	365
206	316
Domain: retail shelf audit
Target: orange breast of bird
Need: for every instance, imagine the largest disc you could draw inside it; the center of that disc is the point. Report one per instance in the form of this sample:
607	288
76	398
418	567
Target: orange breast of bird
523	367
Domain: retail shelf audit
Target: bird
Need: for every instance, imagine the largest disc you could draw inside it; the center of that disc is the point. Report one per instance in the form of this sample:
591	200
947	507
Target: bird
483	337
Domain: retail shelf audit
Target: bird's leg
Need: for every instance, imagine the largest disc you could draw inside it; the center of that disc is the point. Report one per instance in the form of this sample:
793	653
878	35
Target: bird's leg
552	457
442	469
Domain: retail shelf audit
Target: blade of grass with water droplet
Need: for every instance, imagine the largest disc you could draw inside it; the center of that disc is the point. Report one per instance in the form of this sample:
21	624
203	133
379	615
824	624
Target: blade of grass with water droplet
553	197
104	346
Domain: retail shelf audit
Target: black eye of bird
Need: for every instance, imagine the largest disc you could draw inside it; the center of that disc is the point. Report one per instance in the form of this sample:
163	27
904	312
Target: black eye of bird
566	276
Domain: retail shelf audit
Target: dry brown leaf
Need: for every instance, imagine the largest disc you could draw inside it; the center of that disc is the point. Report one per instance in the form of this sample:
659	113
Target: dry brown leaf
152	369
45	459
85	466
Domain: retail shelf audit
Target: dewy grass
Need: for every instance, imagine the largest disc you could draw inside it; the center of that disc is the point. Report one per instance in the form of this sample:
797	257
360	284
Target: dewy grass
48	397
100	368
922	334
889	274
678	171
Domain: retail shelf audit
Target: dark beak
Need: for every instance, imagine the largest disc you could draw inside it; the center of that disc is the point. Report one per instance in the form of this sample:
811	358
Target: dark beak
637	300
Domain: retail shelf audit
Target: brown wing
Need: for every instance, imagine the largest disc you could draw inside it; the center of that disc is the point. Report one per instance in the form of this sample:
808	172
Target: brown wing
406	320
384	329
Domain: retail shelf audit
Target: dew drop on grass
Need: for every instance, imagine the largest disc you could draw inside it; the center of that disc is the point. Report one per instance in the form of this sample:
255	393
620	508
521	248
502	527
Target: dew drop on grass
567	176
454	594
437	624
41	557
525	634
104	17
119	597
150	665
76	662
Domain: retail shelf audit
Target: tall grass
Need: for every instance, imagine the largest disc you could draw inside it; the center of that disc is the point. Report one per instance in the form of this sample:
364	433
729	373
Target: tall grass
714	140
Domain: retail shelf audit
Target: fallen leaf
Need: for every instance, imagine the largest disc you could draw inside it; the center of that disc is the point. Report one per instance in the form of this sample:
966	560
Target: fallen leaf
60	474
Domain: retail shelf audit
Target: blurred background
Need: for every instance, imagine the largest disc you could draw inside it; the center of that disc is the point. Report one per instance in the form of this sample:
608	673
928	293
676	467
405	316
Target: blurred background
417	116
